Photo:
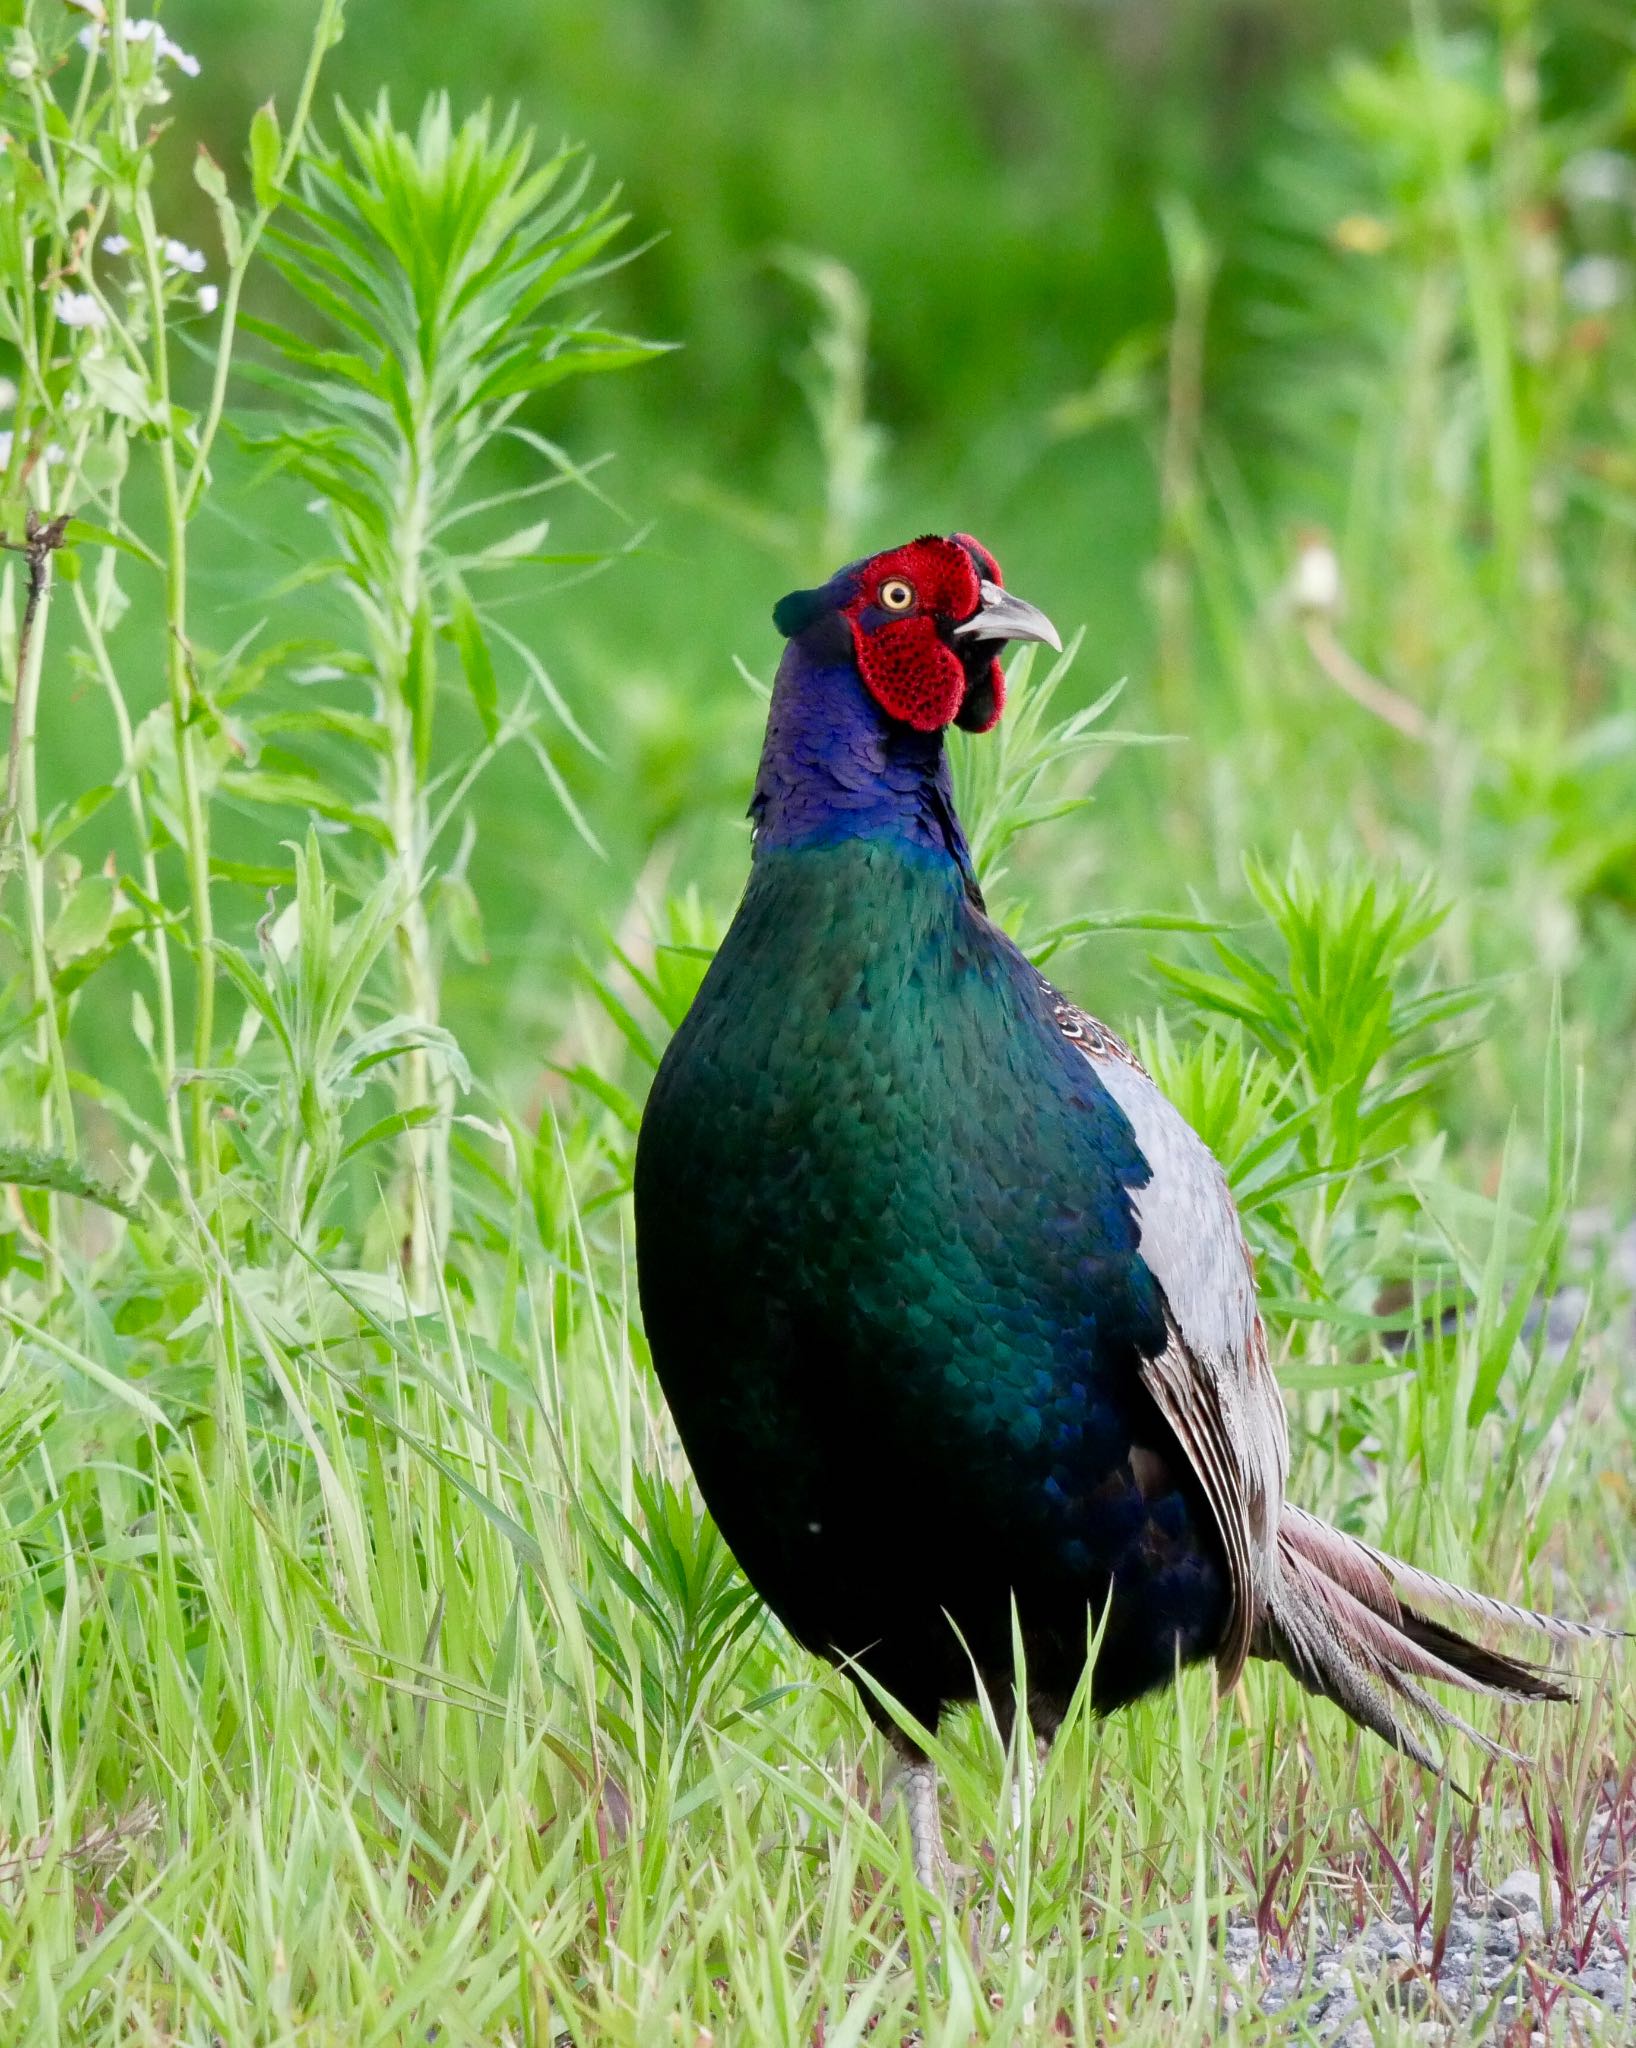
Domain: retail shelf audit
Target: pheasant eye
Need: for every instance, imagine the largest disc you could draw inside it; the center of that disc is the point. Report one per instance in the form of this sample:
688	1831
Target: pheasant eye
896	595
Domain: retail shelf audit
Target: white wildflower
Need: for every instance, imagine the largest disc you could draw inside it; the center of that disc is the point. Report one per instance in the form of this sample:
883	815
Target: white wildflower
116	245
52	452
1596	284
1315	583
1598	177
78	309
184	60
209	298
180	257
145	32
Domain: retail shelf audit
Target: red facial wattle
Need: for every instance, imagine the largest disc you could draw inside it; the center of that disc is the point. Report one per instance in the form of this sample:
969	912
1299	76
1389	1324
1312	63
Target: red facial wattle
984	702
906	663
910	673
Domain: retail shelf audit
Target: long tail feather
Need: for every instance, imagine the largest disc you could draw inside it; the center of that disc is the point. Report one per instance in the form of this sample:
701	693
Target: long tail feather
1339	1616
1318	1540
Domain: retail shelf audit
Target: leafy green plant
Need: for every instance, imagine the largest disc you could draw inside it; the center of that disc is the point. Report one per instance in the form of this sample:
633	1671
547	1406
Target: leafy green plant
1039	765
1315	1076
436	261
306	997
1356	982
96	299
668	1612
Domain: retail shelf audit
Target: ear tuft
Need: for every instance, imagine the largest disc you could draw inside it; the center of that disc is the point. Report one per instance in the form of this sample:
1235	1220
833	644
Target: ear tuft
795	613
981	560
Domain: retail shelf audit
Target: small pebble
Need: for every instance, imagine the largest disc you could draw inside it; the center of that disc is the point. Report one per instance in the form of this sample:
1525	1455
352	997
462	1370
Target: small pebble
1519	1893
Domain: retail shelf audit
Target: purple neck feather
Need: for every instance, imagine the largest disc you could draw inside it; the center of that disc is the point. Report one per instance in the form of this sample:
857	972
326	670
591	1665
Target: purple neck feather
834	766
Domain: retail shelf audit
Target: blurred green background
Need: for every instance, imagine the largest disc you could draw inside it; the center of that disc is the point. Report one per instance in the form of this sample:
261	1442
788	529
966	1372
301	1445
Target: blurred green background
1157	293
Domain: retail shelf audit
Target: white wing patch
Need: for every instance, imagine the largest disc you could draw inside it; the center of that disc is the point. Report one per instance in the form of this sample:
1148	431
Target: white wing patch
1212	1382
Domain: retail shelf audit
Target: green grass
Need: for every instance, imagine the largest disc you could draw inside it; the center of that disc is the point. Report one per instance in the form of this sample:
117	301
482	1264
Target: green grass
368	1670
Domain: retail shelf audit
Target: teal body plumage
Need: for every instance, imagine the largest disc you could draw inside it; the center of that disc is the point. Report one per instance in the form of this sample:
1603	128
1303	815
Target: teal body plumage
890	1277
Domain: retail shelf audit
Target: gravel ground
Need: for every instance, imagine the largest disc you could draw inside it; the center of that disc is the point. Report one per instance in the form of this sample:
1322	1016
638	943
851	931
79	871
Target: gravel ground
1497	1969
1501	1977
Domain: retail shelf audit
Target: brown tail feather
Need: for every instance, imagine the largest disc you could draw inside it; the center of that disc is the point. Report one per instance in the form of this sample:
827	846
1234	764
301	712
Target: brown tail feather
1297	1629
1440	1712
1335	1553
1338	1618
1493	1670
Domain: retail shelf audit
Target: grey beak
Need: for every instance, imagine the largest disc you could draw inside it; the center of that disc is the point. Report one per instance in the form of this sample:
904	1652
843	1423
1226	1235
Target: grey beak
1001	616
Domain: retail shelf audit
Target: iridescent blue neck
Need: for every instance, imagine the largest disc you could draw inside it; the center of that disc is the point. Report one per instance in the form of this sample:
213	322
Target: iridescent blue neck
834	766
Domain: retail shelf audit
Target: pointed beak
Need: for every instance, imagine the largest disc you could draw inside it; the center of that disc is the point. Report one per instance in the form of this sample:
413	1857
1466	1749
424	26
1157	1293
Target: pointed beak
1001	616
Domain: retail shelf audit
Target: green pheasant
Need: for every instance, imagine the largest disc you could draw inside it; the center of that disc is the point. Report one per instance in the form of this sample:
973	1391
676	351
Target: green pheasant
951	1306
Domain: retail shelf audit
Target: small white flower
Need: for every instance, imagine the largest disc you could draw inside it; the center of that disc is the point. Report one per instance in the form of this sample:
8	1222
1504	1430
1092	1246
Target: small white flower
186	64
1315	585
145	32
8	441
1598	177
116	245
180	257
209	298
1596	284
78	309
